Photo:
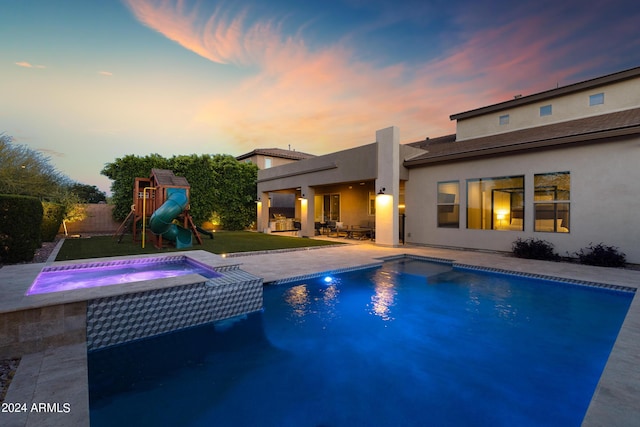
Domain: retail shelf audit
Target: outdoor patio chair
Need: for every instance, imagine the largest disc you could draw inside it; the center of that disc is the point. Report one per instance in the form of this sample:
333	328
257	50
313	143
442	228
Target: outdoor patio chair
336	229
332	229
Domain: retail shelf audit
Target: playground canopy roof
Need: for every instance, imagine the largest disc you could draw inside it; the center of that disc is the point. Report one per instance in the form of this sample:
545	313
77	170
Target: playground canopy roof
165	177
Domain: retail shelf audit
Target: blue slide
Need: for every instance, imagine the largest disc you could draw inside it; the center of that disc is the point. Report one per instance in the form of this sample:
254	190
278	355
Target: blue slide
161	221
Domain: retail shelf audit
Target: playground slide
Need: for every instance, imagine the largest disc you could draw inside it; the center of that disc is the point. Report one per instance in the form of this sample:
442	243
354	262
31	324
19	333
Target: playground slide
161	221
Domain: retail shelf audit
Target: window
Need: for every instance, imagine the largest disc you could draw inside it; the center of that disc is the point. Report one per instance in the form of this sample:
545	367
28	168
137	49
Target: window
496	203
331	207
449	204
504	120
372	203
267	162
545	110
327	207
596	99
551	202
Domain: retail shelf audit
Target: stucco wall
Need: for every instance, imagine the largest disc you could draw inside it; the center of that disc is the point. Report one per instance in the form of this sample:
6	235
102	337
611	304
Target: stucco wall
259	160
618	96
349	166
605	198
352	165
354	199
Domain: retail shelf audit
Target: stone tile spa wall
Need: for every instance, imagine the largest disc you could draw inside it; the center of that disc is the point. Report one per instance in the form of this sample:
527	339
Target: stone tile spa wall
123	318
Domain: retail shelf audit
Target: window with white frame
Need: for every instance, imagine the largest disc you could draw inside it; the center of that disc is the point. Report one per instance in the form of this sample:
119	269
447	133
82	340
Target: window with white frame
596	99
545	110
503	120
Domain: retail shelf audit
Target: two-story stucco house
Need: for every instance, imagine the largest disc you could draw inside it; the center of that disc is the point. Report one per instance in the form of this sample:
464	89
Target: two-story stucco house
266	158
560	165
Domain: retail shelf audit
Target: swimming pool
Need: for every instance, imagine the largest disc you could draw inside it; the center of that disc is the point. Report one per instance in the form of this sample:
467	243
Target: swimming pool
89	275
410	343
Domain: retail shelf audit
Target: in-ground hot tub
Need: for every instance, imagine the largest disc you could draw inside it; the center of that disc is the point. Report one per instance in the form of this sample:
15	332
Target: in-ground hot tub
95	274
135	298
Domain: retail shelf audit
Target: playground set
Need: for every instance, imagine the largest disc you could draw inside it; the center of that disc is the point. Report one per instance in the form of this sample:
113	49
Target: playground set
161	206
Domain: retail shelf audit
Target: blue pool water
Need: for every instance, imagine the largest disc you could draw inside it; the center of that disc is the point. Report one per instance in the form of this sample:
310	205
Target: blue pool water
409	344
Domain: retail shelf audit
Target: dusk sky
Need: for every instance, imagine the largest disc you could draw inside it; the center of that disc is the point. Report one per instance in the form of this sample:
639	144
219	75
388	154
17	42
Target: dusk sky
86	82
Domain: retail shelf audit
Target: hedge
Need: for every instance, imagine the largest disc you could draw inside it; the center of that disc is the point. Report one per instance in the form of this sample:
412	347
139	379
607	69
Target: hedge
53	213
20	219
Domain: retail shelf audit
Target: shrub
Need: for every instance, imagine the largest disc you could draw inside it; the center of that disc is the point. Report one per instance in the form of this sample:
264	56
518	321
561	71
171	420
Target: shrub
51	220
534	249
20	219
601	255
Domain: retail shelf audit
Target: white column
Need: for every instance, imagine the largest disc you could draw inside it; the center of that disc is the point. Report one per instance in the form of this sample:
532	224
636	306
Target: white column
307	212
388	186
262	214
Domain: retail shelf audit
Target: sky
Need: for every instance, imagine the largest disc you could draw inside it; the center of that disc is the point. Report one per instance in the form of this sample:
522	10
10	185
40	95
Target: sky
88	82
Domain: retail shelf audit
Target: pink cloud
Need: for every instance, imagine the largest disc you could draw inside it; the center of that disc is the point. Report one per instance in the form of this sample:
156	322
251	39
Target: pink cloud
25	64
323	100
220	38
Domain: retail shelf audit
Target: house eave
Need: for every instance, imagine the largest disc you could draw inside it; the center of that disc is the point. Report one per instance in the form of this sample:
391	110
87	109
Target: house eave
551	93
525	146
299	173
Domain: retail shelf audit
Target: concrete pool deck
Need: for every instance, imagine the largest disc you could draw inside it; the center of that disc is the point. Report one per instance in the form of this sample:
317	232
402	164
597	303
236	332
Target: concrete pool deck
59	373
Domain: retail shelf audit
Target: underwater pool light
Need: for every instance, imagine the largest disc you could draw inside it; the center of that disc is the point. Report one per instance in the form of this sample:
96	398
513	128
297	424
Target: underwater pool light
328	279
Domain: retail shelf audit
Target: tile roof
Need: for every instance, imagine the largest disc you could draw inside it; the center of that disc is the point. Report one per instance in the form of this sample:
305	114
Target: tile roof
431	141
277	152
625	122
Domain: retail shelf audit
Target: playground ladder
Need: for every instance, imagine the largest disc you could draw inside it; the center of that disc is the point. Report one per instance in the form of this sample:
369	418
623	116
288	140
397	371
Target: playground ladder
125	225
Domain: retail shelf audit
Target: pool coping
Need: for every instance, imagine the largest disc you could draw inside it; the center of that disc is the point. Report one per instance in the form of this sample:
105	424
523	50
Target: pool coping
55	379
14	297
453	264
616	400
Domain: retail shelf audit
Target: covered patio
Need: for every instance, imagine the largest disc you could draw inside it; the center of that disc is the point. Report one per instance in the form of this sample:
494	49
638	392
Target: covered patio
356	193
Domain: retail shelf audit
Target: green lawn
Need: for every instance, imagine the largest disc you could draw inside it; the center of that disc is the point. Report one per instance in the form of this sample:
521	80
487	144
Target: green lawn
224	243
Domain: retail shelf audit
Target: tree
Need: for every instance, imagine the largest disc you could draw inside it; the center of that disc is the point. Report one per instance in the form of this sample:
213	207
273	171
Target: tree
28	172
123	172
219	184
201	174
88	193
74	209
236	185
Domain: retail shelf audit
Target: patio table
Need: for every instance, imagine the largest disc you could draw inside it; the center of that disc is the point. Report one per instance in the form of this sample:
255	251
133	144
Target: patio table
359	233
